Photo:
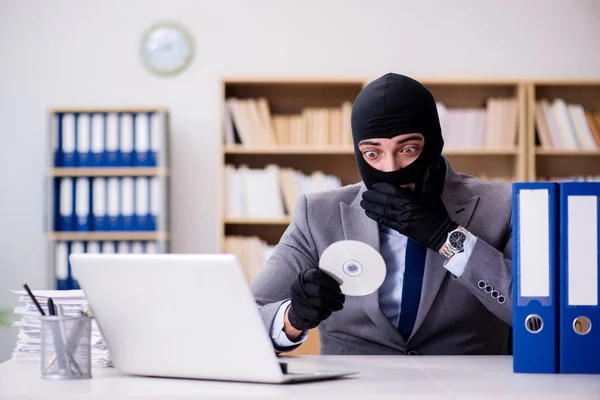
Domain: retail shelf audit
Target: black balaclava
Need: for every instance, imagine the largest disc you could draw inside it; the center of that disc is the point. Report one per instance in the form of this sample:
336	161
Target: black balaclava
390	106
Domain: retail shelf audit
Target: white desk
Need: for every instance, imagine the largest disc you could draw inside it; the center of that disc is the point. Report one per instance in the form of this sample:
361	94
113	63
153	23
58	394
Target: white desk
398	378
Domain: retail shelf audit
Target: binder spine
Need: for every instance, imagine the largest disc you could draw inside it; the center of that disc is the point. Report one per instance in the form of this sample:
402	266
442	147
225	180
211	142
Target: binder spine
535	307
126	139
57	140
580	278
142	140
83	135
68	140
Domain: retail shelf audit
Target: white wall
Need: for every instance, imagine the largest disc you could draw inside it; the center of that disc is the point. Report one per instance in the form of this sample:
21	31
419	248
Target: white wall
78	53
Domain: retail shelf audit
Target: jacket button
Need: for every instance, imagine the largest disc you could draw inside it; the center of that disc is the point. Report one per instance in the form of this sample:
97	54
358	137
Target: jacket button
481	284
495	294
501	299
489	289
411	353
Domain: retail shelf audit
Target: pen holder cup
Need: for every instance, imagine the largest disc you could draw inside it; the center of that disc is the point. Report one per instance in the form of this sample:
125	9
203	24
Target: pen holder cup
66	347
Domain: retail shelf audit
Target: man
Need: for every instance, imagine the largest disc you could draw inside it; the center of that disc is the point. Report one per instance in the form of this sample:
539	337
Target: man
445	238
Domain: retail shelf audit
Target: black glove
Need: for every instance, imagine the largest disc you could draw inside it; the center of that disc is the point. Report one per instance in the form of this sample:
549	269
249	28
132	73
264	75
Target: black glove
420	216
315	295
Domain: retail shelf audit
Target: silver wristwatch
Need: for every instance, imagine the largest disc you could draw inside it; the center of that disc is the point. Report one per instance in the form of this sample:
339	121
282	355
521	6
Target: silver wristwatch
455	243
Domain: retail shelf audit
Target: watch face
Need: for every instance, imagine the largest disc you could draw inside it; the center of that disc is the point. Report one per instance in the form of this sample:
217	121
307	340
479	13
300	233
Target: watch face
457	240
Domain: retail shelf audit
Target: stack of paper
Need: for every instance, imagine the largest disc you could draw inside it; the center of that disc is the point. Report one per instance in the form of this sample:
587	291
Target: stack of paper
70	303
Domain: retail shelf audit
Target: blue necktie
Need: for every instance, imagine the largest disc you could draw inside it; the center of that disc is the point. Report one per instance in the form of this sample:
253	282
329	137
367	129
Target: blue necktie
411	288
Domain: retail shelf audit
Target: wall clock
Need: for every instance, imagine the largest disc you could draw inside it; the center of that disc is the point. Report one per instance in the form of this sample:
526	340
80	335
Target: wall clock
166	49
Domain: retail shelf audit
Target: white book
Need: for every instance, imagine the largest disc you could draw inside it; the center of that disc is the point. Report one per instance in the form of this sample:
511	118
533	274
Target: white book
228	122
563	120
581	127
234	196
553	127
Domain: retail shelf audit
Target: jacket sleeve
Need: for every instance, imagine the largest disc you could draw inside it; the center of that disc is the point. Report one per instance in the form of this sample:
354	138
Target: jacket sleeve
294	253
488	275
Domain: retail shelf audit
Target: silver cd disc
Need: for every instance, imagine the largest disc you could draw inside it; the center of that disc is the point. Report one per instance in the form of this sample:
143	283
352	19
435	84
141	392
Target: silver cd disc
356	266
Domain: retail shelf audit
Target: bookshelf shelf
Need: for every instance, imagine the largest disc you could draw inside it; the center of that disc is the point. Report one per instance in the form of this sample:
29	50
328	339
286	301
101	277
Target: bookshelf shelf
111	236
563	111
289	150
105	171
241	221
563	153
481	152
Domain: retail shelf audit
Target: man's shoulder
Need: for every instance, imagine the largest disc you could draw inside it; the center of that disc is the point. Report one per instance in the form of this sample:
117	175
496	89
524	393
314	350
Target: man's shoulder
496	192
345	194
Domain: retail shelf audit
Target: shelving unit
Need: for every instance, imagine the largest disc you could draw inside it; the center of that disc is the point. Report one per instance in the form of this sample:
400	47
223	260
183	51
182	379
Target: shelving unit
561	163
289	97
115	162
507	163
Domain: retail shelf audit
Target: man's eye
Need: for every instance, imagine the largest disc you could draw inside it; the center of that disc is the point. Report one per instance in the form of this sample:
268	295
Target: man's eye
370	154
409	150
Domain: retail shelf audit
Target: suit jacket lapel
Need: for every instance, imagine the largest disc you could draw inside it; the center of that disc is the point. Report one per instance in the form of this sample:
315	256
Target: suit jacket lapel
357	226
460	205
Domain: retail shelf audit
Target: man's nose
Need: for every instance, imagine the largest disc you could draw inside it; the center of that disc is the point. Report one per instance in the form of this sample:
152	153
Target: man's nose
391	164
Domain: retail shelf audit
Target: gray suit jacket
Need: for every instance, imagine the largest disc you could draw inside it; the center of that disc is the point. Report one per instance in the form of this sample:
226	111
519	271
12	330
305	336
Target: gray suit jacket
455	315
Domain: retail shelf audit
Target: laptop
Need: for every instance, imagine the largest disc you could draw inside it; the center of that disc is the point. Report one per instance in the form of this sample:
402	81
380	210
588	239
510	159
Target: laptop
182	316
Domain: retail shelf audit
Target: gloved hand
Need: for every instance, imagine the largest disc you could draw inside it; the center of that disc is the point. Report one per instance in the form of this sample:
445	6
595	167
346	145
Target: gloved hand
420	216
315	296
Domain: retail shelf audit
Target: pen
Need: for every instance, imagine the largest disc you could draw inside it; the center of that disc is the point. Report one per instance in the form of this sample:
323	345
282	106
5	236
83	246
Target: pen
51	309
34	300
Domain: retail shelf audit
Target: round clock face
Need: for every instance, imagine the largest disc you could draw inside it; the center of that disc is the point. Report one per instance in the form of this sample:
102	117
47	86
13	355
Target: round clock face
166	49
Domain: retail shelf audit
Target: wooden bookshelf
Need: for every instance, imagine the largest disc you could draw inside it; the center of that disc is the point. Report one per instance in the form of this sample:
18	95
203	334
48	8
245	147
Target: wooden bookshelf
557	163
290	96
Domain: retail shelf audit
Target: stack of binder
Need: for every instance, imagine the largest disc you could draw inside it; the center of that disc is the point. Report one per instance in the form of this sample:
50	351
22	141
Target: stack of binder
556	275
70	303
107	203
107	139
107	185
